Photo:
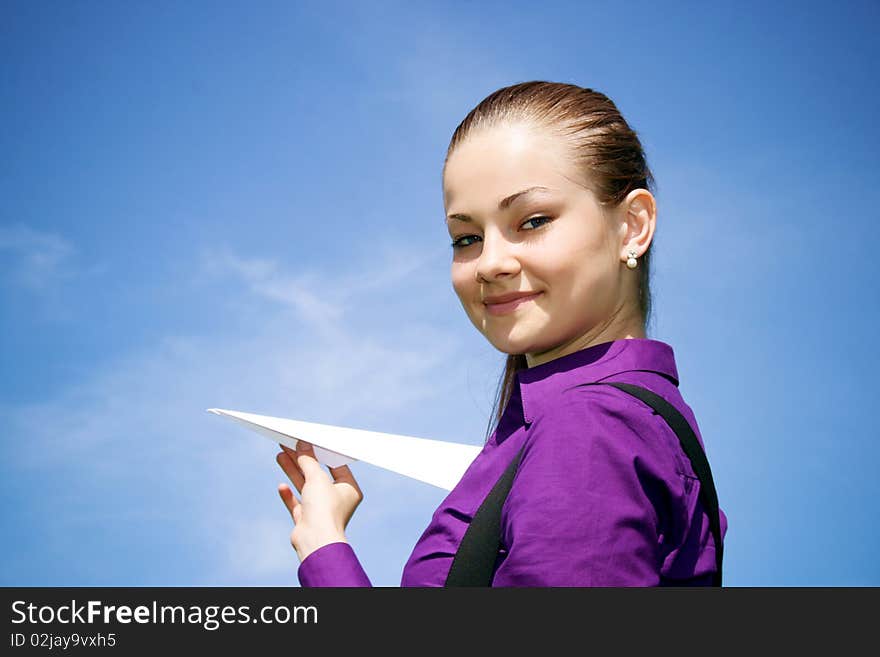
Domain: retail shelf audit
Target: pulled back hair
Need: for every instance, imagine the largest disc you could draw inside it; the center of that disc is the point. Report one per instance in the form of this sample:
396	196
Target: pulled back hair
603	148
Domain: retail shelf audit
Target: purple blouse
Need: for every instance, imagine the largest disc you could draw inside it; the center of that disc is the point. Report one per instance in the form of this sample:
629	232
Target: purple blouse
604	494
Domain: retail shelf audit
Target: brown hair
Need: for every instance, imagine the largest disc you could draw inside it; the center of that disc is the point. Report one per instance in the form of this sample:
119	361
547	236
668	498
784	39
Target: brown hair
603	147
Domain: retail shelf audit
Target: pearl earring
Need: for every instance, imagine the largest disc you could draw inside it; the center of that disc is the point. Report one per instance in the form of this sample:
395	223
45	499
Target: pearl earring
631	263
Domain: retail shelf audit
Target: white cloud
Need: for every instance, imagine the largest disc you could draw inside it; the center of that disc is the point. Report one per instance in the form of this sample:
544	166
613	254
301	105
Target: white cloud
40	260
266	279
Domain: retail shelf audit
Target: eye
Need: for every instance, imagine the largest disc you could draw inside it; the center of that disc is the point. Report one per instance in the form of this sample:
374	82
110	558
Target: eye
457	244
536	219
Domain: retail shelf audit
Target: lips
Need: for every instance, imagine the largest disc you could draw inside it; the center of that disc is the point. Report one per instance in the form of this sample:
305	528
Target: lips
505	298
499	306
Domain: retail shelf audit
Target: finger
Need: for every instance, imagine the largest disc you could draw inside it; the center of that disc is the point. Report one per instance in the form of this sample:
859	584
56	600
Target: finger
292	453
306	460
305	447
289	500
291	469
343	474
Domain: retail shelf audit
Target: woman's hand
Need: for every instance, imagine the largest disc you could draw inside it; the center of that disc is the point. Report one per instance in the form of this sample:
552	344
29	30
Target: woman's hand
327	504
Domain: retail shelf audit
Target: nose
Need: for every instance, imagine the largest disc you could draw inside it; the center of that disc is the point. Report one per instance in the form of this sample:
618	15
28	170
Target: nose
497	258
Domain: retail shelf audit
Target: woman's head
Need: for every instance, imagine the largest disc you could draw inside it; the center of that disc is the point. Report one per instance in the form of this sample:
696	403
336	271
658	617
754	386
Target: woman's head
567	243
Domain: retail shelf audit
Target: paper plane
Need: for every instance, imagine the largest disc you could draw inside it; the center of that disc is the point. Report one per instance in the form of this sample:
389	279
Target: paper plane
436	462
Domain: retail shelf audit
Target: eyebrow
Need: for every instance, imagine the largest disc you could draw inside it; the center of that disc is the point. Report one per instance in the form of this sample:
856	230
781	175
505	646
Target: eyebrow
504	204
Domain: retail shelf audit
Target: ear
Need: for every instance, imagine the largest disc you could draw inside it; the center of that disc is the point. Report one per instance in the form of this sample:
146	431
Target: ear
638	219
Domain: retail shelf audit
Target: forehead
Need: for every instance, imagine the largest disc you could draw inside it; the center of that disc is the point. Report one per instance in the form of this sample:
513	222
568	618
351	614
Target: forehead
495	162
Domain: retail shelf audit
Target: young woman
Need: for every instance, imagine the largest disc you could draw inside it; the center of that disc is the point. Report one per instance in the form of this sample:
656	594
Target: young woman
546	192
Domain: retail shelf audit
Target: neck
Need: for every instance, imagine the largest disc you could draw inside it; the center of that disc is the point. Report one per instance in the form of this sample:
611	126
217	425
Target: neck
620	326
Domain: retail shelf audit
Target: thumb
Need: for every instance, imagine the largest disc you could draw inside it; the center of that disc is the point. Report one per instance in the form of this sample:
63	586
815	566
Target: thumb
306	460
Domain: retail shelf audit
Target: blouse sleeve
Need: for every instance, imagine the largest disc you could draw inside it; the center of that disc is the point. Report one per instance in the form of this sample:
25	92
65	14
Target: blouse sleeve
334	564
583	507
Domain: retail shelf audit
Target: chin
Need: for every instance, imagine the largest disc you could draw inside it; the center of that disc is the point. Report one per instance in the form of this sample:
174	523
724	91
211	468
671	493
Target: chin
510	347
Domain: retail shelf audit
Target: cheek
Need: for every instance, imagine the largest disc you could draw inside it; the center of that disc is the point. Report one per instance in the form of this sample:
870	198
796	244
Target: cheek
462	282
561	264
578	255
578	274
592	289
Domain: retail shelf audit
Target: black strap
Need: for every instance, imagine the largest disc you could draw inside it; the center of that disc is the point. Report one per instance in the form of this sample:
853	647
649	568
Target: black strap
695	454
474	561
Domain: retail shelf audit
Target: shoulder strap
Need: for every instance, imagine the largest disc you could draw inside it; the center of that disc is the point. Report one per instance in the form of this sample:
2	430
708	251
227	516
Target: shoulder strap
474	561
691	447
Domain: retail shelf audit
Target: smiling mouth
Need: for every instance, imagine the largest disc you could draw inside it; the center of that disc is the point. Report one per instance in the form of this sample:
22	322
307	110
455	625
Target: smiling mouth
509	306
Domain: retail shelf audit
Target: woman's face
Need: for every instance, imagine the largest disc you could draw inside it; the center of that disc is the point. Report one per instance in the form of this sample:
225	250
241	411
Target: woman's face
556	244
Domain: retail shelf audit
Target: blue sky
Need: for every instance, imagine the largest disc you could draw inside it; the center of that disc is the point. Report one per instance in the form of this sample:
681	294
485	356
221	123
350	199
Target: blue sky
238	205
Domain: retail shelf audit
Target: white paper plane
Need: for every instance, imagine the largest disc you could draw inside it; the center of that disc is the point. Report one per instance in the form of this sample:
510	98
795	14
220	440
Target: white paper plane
435	462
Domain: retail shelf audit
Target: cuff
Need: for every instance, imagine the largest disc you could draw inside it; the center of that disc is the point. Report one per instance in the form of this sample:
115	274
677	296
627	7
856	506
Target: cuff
334	564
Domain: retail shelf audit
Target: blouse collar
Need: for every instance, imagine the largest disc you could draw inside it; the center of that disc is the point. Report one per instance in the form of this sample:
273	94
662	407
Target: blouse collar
539	383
